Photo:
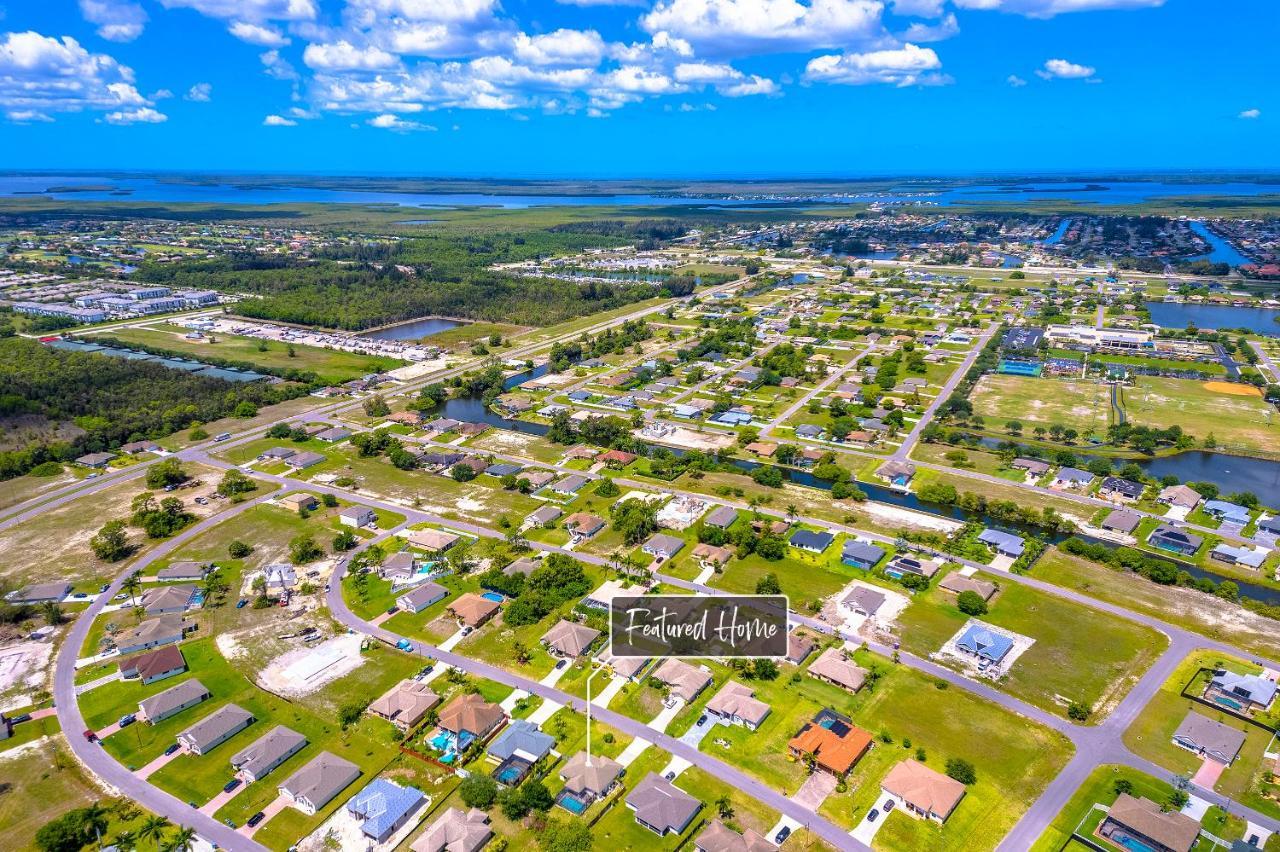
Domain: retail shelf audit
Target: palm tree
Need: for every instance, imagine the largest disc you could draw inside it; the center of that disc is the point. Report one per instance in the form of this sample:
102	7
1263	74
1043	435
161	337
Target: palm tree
152	828
95	816
132	585
125	841
181	842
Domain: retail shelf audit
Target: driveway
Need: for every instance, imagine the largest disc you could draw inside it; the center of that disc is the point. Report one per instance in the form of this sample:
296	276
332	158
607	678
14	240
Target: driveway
447	645
604	696
865	831
634	749
155	765
814	791
552	677
211	807
665	715
1208	773
544	711
277	805
693	737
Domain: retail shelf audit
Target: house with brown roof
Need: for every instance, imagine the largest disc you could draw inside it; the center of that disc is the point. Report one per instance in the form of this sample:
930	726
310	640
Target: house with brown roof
569	640
587	780
718	837
799	647
683	680
1144	821
924	792
835	743
1181	496
471	714
154	665
834	667
472	609
711	556
432	541
736	704
455	831
955	582
405	704
583	525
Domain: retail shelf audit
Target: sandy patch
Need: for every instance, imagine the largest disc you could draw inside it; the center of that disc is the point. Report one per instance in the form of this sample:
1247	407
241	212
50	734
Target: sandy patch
303	671
897	516
691	440
23	666
1232	389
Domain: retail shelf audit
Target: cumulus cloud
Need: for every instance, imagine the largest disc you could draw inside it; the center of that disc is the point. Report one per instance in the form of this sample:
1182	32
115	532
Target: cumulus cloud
1065	70
738	27
388	121
276	66
260	34
1250	113
603	2
907	65
278	121
918	8
1015	81
562	47
141	115
1050	8
44	75
200	92
254	11
345	56
117	20
942	30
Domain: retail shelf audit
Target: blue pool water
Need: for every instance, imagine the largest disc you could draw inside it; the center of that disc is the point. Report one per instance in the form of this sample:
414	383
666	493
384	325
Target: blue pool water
441	742
572	805
509	775
1131	843
493	596
1228	702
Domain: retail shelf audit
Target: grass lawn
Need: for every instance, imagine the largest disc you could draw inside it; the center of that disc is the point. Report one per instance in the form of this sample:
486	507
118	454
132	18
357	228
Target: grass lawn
803	576
1240	423
1151	734
1080	654
331	365
1082	405
462	336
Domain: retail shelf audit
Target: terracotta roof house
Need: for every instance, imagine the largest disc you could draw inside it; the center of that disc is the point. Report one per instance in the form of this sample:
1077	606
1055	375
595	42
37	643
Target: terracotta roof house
1145	822
567	639
154	665
924	792
405	704
471	714
314	785
835	743
736	703
455	831
834	667
1209	738
472	609
718	837
587	782
256	761
582	525
616	458
215	729
172	701
684	681
662	807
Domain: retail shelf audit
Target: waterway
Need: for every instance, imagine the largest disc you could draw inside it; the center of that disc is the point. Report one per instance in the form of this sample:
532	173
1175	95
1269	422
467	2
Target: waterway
413	329
1221	251
1056	237
1179	314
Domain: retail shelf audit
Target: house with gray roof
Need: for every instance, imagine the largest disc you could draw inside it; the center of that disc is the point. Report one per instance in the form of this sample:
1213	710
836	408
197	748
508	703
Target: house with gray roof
569	640
455	831
1174	540
256	761
382	807
183	571
721	517
1253	690
662	807
864	601
304	460
172	701
169	599
861	554
588	780
1003	543
521	739
422	596
315	785
1209	738
1073	478
1122	521
663	546
215	729
154	632
39	593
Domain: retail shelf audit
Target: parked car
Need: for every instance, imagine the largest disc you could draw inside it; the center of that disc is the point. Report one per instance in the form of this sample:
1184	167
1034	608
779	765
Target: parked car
466	631
171	749
783	834
91	736
561	664
105	586
702	720
127	719
255	819
670	776
121	596
888	805
393	609
240	604
25	717
871	817
231	785
404	645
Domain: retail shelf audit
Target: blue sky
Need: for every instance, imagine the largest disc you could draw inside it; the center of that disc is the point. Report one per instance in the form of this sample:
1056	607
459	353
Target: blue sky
639	88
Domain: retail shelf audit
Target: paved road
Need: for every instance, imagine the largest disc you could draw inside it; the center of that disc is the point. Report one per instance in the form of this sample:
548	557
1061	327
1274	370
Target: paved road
1266	361
819	388
957	376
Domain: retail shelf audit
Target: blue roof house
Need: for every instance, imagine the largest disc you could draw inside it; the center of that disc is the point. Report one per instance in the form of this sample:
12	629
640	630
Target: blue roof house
814	542
1006	544
982	642
517	750
1227	512
383	807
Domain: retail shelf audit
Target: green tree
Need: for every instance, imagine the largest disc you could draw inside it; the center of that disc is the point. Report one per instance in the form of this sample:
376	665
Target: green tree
1122	786
238	549
478	791
235	482
153	828
111	543
768	585
564	835
165	473
303	549
344	541
961	770
971	603
376	406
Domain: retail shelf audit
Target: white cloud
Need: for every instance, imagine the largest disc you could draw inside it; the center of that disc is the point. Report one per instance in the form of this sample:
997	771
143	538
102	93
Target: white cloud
754	85
1015	81
276	66
1050	8
1065	70
942	30
918	8
737	27
1250	113
278	121
705	72
345	56
140	115
562	47
603	2
907	65
255	11
27	116
200	92
387	121
44	75
117	20
259	34
160	95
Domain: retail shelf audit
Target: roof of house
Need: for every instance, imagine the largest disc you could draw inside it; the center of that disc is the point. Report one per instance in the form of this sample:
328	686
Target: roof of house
798	647
383	804
408	701
1210	735
470	712
1253	687
569	639
523	737
685	680
595	777
1246	556
1127	487
810	540
432	539
267	750
1031	465
1002	541
663	544
895	467
1180	495
659	803
168	597
721	516
836	748
925	789
584	522
1176	537
738	700
425	594
217	725
473	609
159	661
181	571
1074	474
355	512
986	643
864	598
1122	520
862	551
455	831
625	666
175	696
1172	829
711	553
321	779
42	592
956	583
1228	511
545	513
402	561
832	665
718	837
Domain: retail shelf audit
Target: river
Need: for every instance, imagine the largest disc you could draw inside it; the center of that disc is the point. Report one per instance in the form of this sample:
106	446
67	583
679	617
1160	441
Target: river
1179	314
413	329
1220	251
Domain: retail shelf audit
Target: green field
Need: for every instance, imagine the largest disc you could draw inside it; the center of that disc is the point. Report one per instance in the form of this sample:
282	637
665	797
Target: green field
331	365
1075	404
1244	424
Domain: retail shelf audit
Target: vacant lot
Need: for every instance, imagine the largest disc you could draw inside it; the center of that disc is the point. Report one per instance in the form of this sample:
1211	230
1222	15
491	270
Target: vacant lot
1240	423
1079	405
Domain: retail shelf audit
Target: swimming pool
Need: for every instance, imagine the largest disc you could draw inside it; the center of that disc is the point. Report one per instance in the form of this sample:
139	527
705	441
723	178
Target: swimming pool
510	775
1228	702
572	804
493	596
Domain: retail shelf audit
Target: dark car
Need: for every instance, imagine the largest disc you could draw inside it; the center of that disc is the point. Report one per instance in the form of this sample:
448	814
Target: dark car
171	749
702	720
91	736
127	719
255	819
783	834
871	817
393	609
888	805
562	664
25	717
241	603
231	785
670	776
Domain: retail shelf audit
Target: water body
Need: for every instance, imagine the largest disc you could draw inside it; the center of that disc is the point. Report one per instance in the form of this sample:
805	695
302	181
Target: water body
105	188
1056	237
1179	314
413	330
1221	250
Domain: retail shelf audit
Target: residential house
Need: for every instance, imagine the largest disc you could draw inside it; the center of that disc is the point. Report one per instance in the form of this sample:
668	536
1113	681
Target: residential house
896	472
517	749
215	729
583	525
333	434
682	679
1180	496
470	714
260	758
1208	738
1115	488
304	460
956	583
172	701
472	609
183	571
799	647
163	600
569	485
616	458
1073	478
406	704
95	460
357	516
711	556
662	807
1142	823
924	792
422	596
718	837
721	517
662	546
834	667
543	515
569	640
1003	543
154	665
1034	467
525	565
276	454
630	668
984	643
315	785
1253	691
455	831
154	632
1174	540
814	542
835	743
299	501
861	554
433	541
587	780
808	431
383	807
904	564
864	601
1228	513
1245	557
736	704
1122	521
38	593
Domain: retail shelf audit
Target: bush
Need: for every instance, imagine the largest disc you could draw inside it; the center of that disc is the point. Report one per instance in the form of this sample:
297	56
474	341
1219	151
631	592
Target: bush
1078	712
478	791
961	770
49	468
971	603
238	549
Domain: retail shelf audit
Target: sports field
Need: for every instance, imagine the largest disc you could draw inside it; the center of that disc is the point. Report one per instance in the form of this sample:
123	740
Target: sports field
1074	404
1240	422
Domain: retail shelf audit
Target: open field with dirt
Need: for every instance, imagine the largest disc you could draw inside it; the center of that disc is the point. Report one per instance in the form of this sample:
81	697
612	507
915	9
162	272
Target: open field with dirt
1081	405
1237	422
